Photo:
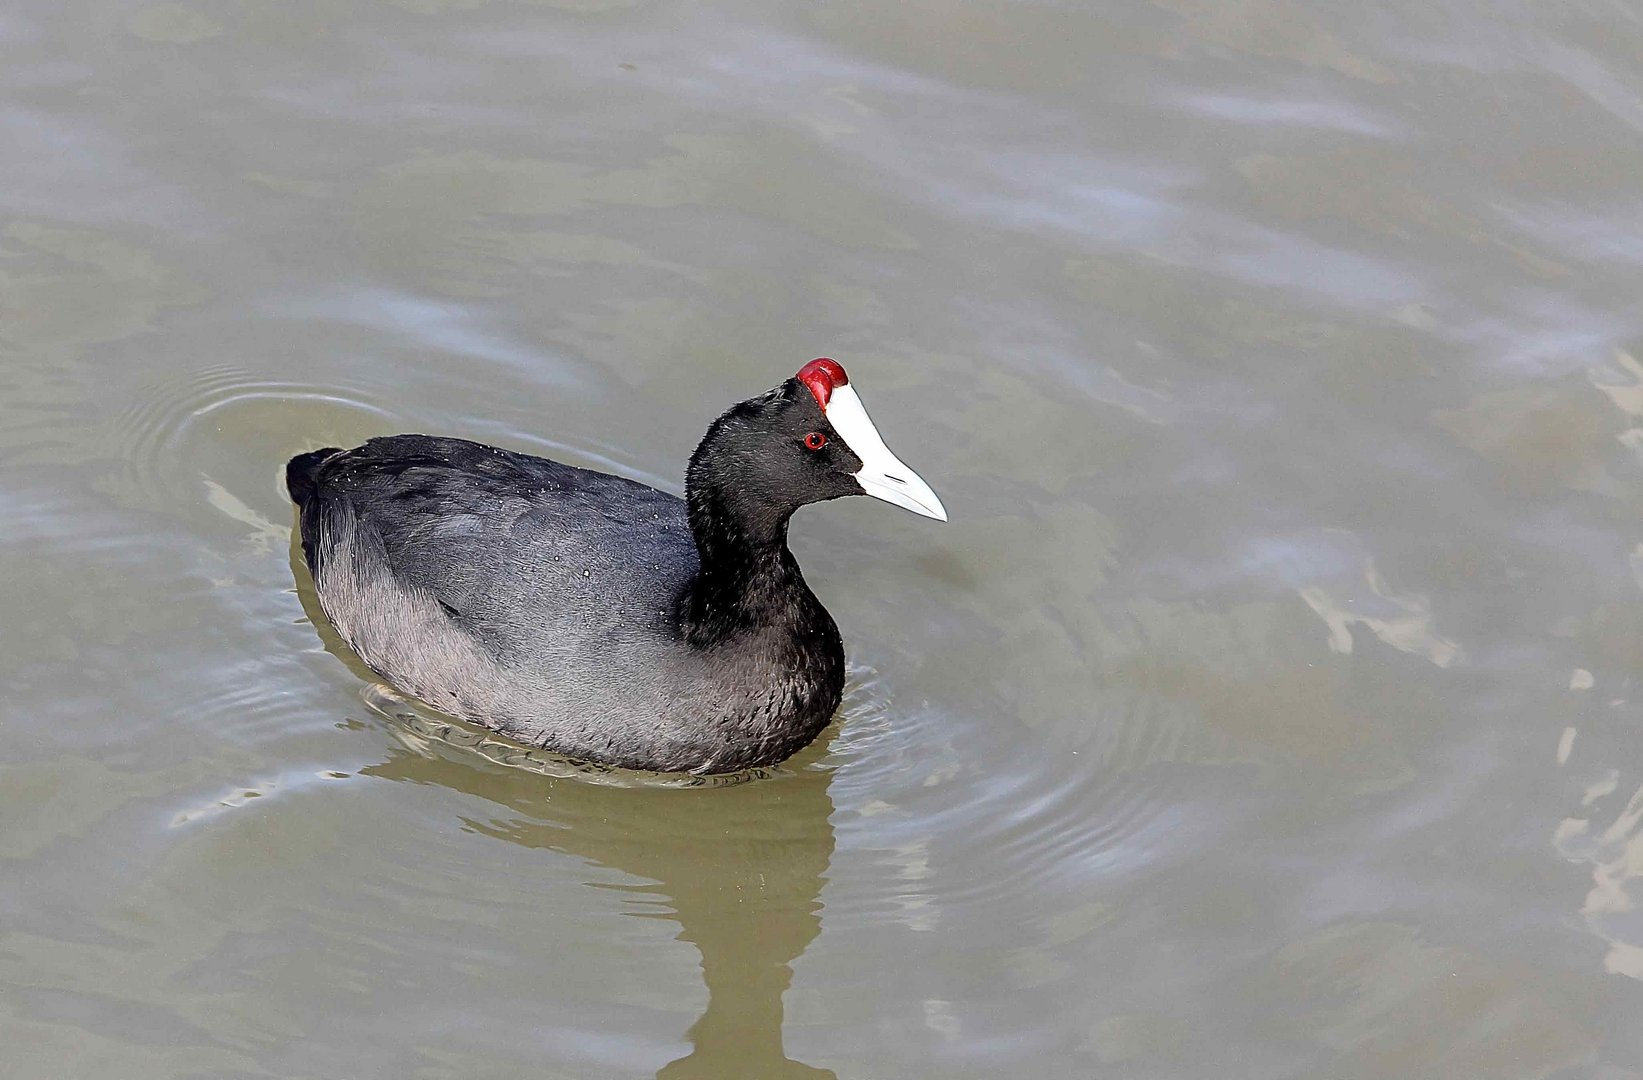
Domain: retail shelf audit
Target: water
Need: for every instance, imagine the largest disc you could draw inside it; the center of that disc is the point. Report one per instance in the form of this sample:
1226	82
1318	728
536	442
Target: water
1267	709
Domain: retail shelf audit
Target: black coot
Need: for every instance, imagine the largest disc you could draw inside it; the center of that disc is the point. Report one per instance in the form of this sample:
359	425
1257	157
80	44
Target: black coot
592	615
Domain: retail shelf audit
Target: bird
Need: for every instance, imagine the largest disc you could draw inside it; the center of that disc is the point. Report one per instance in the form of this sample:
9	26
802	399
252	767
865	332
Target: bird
591	615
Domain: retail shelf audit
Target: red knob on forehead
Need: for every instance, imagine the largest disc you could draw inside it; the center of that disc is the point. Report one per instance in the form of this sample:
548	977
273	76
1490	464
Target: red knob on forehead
822	375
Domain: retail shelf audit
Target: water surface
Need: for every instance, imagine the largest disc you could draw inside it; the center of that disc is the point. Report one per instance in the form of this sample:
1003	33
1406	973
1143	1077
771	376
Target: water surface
1267	709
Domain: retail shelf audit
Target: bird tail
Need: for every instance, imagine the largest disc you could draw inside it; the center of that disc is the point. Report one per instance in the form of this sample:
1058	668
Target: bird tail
300	470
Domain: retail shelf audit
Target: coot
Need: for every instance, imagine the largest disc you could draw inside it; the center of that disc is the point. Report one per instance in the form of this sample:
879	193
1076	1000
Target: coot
592	615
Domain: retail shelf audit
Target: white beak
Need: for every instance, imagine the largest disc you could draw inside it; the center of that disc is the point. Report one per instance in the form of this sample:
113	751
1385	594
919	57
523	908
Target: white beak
882	475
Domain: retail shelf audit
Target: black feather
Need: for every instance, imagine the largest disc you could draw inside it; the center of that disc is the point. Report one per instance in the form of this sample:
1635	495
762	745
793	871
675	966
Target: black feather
584	612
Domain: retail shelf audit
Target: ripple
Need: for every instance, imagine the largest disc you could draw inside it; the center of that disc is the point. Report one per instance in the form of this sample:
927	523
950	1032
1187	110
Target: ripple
1126	799
1614	851
225	426
241	797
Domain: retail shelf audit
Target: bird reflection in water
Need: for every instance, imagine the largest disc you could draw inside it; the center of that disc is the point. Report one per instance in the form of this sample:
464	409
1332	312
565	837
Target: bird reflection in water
742	868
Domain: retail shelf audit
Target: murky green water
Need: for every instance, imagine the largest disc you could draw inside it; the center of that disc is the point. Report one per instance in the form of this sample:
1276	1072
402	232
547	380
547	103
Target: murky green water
1266	710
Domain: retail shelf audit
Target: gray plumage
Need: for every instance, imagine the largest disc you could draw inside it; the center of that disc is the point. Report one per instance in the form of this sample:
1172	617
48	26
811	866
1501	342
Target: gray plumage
582	612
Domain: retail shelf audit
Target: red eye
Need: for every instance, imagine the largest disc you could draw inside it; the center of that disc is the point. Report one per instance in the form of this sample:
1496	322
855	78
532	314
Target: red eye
815	440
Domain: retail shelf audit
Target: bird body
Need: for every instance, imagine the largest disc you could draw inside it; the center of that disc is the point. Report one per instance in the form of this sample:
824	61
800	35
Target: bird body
587	613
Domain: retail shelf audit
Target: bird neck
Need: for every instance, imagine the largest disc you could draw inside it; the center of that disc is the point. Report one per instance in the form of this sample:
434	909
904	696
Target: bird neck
747	578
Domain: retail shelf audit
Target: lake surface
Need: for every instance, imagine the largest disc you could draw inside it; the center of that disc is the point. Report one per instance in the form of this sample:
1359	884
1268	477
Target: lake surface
1268	708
